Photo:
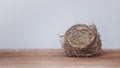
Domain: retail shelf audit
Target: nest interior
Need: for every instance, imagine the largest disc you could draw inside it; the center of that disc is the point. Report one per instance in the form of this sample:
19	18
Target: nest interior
82	40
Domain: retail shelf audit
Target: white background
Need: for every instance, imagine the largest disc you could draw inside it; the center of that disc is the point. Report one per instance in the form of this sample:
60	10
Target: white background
35	24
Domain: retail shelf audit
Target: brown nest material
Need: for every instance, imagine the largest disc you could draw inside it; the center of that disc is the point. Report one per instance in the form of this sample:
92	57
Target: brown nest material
82	40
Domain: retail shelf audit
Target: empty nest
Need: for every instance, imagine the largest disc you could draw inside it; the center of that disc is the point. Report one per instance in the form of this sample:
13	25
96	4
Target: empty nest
82	40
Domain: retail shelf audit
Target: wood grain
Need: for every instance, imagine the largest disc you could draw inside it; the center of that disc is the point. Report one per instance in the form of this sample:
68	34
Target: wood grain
55	58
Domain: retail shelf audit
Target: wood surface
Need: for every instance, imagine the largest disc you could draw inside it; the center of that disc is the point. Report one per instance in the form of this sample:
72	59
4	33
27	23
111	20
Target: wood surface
55	58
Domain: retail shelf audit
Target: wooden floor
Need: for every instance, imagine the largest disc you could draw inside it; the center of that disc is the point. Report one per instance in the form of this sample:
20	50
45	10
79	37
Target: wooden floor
55	58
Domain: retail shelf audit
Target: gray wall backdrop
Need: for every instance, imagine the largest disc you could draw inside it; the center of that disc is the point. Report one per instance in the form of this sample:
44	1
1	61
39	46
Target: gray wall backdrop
37	23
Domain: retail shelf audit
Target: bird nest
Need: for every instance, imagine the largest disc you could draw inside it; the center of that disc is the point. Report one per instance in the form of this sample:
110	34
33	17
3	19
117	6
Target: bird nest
82	40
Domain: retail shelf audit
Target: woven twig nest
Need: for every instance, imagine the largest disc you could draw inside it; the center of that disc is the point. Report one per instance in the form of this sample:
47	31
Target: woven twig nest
82	40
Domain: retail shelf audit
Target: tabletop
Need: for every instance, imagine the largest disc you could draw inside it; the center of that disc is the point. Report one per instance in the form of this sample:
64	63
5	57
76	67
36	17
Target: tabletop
55	58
